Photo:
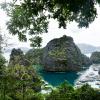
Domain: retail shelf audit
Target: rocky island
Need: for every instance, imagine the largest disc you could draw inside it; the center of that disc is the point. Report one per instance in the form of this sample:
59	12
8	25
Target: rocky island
17	57
61	54
95	57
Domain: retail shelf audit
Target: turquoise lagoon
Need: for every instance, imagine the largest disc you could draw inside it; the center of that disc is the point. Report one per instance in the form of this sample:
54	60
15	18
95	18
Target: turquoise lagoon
56	78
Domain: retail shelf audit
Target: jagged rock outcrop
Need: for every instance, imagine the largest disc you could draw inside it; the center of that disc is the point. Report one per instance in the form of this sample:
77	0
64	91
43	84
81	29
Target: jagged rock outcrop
17	57
95	57
34	56
62	54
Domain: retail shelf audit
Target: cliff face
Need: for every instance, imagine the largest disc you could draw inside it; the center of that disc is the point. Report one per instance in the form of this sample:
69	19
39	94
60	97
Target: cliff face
34	56
95	57
63	55
17	57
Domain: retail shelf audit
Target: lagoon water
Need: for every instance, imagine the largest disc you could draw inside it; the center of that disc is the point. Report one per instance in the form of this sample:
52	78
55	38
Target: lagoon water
90	76
56	78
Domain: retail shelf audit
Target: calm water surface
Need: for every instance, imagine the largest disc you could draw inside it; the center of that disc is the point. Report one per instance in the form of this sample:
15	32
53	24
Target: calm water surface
56	78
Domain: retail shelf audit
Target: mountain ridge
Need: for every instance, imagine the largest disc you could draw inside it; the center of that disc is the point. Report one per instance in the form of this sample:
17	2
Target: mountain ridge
87	48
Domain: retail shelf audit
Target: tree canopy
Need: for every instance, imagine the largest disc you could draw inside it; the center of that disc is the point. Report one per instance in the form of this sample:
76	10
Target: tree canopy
33	16
1	40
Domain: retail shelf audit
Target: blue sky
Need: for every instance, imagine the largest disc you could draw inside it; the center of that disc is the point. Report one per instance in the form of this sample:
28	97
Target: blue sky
90	35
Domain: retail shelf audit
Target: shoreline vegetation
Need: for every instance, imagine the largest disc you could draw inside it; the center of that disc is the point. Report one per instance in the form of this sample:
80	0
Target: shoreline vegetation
28	19
45	92
22	79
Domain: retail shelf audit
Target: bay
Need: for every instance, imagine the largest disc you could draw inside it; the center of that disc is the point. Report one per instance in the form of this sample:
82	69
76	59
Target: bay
56	78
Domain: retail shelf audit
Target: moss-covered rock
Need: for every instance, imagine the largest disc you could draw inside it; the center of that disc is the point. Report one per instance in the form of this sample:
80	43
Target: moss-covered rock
62	54
34	56
17	57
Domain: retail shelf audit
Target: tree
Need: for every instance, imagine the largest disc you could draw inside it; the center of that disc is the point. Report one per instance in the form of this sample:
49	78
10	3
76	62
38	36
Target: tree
63	92
2	63
1	40
2	59
86	92
20	83
33	16
67	92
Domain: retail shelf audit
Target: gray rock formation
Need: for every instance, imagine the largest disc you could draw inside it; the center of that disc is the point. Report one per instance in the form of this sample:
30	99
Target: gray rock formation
95	57
17	57
34	56
62	54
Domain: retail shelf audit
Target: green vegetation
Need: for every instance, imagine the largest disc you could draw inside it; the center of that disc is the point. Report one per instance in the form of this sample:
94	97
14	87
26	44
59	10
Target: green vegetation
2	59
0	42
67	92
22	83
58	53
33	16
34	56
19	83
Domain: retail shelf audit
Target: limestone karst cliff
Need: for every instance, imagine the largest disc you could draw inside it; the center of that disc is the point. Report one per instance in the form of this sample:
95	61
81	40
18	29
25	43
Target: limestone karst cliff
61	54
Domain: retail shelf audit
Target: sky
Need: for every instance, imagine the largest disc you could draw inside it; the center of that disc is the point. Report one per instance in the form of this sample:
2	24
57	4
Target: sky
89	35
